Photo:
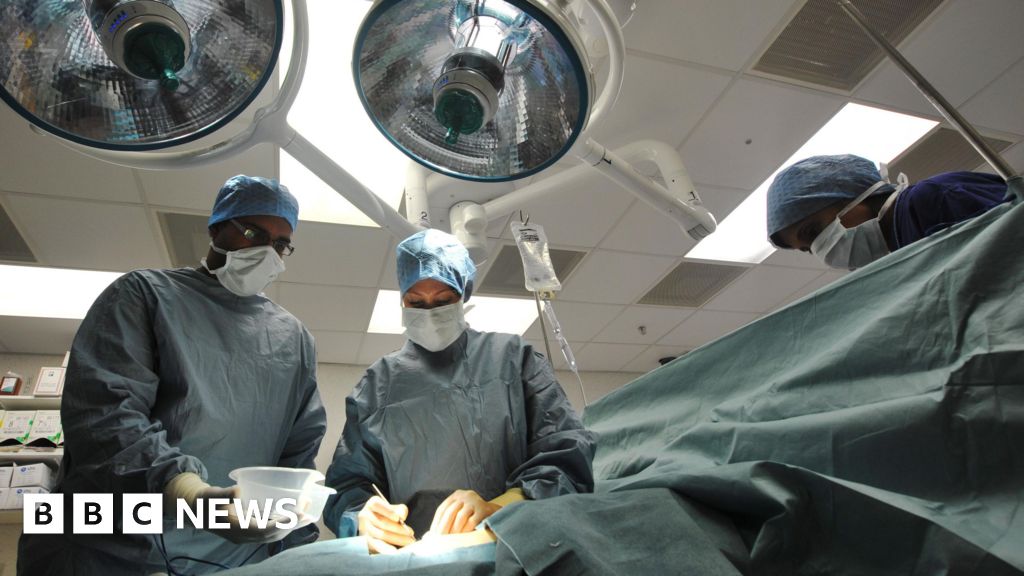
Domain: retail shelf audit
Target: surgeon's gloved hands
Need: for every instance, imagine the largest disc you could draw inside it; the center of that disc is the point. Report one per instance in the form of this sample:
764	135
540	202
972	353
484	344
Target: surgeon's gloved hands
383	526
461	512
190	487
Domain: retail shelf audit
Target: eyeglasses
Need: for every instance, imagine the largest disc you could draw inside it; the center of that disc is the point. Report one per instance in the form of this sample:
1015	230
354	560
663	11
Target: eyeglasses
261	237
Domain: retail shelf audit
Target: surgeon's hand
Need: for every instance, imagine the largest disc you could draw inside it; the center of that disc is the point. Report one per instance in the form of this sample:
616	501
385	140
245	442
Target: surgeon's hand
461	512
189	487
383	526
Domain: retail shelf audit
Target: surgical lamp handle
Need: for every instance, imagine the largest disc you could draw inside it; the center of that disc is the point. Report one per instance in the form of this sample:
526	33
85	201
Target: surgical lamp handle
941	104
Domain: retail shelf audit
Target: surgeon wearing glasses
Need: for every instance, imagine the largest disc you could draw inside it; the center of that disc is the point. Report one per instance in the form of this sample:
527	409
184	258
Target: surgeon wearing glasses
456	424
840	209
177	377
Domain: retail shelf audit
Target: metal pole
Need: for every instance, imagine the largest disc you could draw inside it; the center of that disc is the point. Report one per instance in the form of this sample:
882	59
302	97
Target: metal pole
941	104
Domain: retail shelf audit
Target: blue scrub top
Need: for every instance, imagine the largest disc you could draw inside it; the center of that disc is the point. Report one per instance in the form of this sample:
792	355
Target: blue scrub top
940	201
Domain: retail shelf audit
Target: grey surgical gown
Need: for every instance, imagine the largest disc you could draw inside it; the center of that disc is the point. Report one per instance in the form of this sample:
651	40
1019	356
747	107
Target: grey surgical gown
485	414
172	373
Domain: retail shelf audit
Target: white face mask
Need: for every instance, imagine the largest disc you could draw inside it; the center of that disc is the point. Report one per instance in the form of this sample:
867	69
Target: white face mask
852	248
437	328
248	271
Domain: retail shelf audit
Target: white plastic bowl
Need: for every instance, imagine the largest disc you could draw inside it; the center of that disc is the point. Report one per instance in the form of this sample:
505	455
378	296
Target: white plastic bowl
276	477
318	496
268	483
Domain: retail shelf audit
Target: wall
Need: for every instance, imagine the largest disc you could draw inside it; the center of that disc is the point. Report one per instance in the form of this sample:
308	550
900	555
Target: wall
336	381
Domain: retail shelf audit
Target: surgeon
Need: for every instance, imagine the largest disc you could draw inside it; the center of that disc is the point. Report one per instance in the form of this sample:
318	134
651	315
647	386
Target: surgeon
456	424
178	377
840	208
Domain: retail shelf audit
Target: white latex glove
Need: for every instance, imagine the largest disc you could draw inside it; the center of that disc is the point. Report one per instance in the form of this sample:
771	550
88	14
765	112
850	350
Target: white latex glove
190	487
383	526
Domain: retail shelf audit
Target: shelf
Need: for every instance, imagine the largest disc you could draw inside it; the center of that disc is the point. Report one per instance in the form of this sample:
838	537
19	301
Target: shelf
28	456
30	402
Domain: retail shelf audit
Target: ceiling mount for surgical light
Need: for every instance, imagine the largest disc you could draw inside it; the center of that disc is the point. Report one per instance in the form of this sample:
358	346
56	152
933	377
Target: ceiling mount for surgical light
484	91
136	74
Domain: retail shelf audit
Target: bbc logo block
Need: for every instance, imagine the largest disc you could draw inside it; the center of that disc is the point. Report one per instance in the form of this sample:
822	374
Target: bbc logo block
93	514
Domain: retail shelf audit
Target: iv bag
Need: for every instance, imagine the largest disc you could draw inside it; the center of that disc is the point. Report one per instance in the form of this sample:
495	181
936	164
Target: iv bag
533	249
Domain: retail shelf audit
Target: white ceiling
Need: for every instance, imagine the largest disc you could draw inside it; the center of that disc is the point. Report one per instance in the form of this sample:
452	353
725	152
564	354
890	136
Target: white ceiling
687	82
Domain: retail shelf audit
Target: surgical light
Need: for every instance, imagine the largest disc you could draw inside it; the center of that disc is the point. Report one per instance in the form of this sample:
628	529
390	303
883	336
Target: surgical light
135	74
484	91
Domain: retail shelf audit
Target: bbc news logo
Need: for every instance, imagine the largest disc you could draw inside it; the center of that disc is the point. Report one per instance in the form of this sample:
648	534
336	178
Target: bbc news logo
143	513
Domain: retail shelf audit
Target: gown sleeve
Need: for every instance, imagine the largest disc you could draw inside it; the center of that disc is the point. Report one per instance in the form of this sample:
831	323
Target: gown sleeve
111	388
357	463
560	451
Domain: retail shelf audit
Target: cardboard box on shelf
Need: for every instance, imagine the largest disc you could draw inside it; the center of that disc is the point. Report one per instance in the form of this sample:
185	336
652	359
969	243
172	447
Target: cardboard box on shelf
32	475
15	498
5	476
46	429
16	426
4	496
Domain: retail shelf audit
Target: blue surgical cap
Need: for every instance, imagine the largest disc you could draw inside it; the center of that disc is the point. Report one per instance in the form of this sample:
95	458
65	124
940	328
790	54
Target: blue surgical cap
254	196
434	254
816	183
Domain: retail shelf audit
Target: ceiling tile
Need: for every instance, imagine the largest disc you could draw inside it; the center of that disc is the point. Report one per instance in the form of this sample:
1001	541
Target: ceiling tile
722	33
337	347
558	359
195	188
656	321
44	166
337	254
648	359
579	213
777	120
91	235
328	307
1013	155
647	108
580	322
615	277
375	346
721	201
598	357
644	229
966	47
998	106
389	275
19	335
761	288
705	326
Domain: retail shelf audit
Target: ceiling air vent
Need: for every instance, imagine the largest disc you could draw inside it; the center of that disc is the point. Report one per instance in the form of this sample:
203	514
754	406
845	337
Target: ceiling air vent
12	245
944	150
186	236
692	284
822	45
505	275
